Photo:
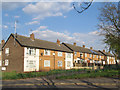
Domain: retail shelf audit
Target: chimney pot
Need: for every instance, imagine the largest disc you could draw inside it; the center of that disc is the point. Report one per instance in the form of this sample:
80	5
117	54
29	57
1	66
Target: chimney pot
32	36
58	41
84	46
74	43
91	48
103	50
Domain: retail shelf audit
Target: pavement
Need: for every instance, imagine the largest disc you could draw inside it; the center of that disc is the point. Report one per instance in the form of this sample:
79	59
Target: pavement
43	82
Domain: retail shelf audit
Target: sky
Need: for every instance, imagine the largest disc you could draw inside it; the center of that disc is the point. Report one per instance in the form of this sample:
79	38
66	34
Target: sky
53	20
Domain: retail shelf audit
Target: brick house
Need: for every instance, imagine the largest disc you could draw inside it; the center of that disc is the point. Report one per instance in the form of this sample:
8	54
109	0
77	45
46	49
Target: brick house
24	54
108	57
88	57
0	55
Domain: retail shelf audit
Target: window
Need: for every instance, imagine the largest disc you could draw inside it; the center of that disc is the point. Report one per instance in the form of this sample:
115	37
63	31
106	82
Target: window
85	54
59	63
90	55
59	53
46	52
68	55
46	63
6	62
97	56
81	54
100	56
0	53
75	53
7	51
68	63
0	63
31	51
93	56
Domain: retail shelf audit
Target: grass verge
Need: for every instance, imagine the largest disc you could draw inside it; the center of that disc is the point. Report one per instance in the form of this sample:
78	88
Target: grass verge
92	74
14	75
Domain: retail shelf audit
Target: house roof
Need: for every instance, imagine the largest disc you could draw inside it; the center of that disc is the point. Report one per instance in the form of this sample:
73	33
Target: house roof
0	47
42	44
106	53
81	49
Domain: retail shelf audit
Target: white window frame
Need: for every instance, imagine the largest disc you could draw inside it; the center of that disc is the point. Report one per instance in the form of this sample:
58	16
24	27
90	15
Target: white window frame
48	51
90	55
7	51
85	54
60	65
33	51
69	55
6	62
0	53
59	53
0	62
96	56
75	53
48	61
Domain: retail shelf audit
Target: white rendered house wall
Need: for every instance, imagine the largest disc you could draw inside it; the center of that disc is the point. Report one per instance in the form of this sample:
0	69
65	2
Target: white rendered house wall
31	62
68	60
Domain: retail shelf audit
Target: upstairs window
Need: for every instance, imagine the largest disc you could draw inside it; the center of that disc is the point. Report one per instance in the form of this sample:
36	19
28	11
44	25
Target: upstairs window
93	56
7	51
90	55
46	52
59	53
31	51
68	55
100	56
97	56
85	54
75	53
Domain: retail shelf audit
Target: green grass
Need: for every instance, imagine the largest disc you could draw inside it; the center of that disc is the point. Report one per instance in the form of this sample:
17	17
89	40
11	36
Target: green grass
92	74
14	75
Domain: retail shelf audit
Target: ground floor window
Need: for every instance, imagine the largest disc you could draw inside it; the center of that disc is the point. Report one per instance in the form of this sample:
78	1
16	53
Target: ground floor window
0	63
68	63
59	63
46	63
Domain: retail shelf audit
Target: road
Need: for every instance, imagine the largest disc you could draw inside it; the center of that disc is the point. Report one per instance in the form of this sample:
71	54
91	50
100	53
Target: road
43	82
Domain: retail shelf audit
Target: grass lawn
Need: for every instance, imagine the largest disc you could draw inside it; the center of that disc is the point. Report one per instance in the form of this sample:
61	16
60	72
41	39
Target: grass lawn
14	75
66	74
93	74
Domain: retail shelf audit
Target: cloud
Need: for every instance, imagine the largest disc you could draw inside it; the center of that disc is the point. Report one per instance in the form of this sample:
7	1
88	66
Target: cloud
33	22
6	14
5	26
89	39
43	9
16	16
12	5
42	27
65	16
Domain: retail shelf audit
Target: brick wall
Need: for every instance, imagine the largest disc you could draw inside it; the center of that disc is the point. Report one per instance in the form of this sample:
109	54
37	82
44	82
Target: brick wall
15	57
53	59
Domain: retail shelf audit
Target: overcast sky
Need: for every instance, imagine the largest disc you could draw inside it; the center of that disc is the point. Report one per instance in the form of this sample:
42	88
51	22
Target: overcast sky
52	21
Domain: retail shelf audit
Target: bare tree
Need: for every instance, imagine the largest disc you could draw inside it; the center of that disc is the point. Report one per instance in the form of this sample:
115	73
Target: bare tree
109	27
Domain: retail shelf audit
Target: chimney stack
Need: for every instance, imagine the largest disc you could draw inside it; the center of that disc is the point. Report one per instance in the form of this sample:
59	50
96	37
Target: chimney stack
74	43
58	41
84	46
2	42
91	48
103	50
32	36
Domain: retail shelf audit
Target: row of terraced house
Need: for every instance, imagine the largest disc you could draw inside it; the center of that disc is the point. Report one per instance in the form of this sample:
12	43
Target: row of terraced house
25	54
